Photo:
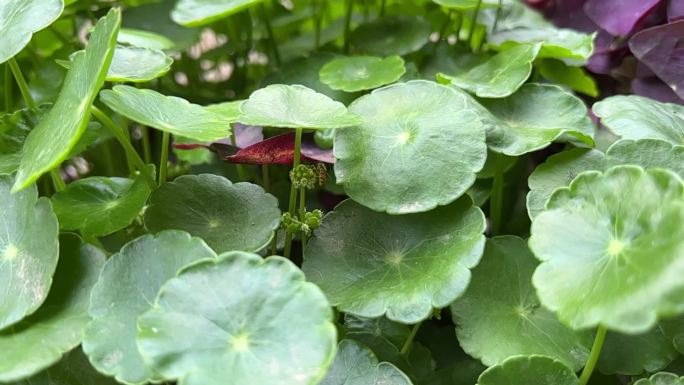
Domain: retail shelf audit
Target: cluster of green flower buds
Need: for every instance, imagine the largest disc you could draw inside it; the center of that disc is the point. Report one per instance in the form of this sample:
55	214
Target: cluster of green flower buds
311	221
307	176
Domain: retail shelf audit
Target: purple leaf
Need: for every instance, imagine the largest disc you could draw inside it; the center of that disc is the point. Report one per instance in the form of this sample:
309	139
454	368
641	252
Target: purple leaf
654	88
280	150
608	53
675	10
661	48
619	17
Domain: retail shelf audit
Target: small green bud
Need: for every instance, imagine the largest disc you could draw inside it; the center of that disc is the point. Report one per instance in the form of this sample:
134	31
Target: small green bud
303	176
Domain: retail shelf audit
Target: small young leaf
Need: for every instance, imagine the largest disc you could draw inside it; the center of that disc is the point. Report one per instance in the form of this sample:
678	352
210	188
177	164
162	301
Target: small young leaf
370	263
126	288
99	205
58	132
57	327
597	240
20	19
499	76
29	249
295	106
383	162
500	305
167	113
636	117
358	73
355	364
227	216
529	370
194	13
257	321
661	378
574	77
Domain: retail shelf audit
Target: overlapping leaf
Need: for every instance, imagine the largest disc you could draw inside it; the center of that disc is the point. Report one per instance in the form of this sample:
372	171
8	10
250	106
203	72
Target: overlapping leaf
193	13
72	369
391	35
370	263
20	19
355	364
358	73
529	370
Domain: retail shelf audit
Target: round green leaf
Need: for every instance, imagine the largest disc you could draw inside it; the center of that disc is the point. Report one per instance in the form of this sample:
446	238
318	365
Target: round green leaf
647	153
294	106
167	113
636	354
127	286
20	19
529	370
355	364
138	64
227	216
370	263
229	110
145	39
558	171
576	78
498	77
29	249
99	205
533	117
636	117
358	73
674	329
57	327
612	249
193	13
242	318
500	305
51	141
402	158
391	35
72	369
662	378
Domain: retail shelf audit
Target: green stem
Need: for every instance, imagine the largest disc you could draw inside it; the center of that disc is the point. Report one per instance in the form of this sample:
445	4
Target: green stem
496	195
9	102
109	159
316	14
459	25
473	23
269	32
302	211
347	24
57	180
498	15
147	149
238	166
266	179
293	191
164	158
382	7
594	355
409	341
125	143
23	86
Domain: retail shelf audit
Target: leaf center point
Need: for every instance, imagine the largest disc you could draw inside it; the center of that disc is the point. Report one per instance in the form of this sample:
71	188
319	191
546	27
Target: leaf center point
241	343
10	252
615	247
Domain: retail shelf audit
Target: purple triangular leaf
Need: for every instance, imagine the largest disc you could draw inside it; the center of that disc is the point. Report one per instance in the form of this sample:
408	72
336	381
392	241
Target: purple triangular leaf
619	17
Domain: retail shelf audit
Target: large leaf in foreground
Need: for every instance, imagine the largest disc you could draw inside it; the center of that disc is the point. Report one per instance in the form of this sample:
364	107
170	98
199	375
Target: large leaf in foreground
227	216
529	370
40	340
100	205
662	378
294	106
126	289
29	249
167	113
72	369
20	19
252	320
500	305
355	364
358	73
193	13
636	117
500	76
401	158
534	117
370	263
59	131
612	249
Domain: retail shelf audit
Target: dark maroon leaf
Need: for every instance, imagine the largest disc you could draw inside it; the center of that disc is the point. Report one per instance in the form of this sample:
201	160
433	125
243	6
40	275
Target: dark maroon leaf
675	10
661	48
280	150
619	17
654	88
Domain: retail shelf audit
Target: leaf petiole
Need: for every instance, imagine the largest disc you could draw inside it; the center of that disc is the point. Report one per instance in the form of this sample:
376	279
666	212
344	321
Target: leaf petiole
409	341
293	190
594	355
21	82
